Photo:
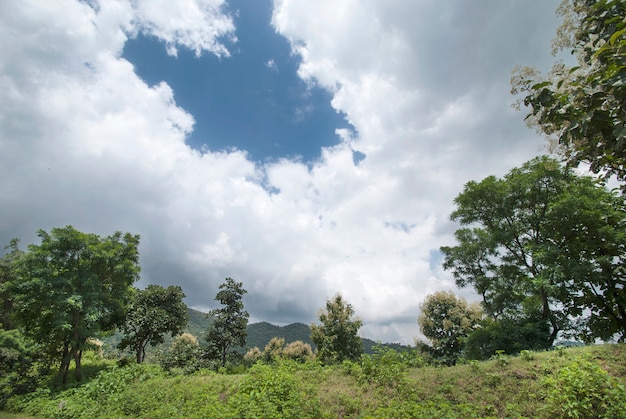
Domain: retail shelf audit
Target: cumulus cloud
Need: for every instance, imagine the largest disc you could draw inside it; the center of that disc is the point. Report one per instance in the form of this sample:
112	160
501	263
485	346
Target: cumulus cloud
84	141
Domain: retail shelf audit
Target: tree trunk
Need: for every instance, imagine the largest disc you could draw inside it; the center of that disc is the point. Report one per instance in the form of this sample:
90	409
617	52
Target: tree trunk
65	362
78	374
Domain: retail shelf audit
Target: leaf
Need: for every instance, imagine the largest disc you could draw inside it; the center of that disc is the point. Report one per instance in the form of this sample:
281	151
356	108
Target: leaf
540	85
616	35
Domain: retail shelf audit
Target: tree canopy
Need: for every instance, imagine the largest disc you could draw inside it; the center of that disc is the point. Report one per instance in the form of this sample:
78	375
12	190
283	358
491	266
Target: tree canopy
228	329
154	312
337	336
582	107
544	240
8	264
446	320
73	286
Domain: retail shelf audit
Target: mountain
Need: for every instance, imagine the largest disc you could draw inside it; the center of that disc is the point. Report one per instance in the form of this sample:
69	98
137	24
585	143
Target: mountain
259	334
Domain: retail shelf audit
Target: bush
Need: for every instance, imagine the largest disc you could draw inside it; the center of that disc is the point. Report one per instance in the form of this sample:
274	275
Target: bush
273	350
183	353
19	372
298	351
385	368
584	390
273	392
252	356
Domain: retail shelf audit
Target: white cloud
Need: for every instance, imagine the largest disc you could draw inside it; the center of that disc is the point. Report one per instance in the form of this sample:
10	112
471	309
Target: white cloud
84	141
194	24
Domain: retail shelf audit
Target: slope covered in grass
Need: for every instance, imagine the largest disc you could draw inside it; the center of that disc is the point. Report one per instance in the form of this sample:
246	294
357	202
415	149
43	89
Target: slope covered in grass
386	385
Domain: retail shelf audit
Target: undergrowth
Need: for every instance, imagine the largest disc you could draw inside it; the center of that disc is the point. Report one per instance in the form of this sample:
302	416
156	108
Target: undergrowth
577	382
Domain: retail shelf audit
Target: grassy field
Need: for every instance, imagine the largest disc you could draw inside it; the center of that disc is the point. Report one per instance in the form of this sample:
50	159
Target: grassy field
574	382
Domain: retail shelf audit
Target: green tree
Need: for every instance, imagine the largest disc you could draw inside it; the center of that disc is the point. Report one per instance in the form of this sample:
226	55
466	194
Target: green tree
337	336
8	264
228	329
153	313
184	352
582	107
508	335
73	286
446	320
543	239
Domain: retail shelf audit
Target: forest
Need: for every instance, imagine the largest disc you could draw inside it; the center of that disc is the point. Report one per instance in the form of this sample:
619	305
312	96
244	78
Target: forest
544	248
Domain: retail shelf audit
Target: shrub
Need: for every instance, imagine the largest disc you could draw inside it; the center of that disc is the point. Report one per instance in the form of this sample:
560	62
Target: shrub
273	350
252	356
273	392
385	368
584	390
183	353
19	373
298	351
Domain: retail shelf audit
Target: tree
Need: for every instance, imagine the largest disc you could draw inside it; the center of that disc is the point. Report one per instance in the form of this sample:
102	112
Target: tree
8	264
446	320
154	312
337	337
582	107
184	352
73	286
228	329
543	239
508	335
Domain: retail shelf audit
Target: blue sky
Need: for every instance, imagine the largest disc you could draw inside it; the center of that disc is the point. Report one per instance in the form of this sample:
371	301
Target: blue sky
101	129
252	100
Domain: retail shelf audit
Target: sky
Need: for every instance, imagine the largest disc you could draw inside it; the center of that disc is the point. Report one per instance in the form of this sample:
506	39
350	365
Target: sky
302	148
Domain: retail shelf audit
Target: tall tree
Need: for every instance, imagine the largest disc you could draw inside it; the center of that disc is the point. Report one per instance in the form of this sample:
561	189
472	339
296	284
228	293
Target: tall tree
446	320
228	329
8	264
73	286
544	239
337	336
154	312
583	107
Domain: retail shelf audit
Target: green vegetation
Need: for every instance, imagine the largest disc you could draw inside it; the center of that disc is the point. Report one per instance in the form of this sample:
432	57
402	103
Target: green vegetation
582	107
153	312
228	329
70	288
446	320
543	246
551	384
337	337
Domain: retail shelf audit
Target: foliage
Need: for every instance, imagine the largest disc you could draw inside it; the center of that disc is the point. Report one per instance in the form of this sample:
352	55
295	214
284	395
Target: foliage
73	286
583	106
8	274
337	337
544	240
385	368
228	330
298	351
509	335
584	390
273	392
184	353
446	320
19	372
273	350
481	389
154	312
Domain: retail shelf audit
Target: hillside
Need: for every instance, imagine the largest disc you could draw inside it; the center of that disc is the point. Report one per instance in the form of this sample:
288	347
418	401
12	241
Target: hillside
259	334
581	382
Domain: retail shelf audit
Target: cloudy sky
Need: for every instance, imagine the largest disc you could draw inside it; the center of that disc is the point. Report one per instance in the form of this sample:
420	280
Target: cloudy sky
301	147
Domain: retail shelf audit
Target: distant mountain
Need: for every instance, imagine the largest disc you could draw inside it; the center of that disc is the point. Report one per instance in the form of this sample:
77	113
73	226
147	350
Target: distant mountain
259	334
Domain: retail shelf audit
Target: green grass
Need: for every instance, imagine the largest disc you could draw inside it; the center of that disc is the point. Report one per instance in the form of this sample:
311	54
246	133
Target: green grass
503	387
